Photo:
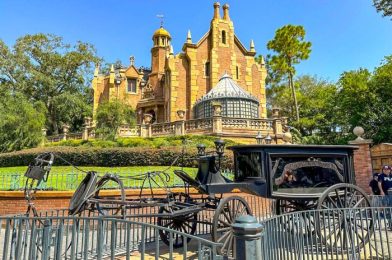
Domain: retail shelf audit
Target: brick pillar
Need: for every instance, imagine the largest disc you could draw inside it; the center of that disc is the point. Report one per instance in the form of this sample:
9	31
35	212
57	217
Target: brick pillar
362	161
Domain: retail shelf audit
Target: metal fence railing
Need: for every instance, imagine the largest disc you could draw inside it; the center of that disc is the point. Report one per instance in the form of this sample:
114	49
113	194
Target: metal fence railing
71	180
95	238
352	233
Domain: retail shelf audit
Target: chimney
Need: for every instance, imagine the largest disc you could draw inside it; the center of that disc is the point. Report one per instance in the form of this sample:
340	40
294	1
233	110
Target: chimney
226	12
216	10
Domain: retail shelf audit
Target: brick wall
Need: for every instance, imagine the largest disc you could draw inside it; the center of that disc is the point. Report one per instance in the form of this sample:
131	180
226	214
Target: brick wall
363	165
13	202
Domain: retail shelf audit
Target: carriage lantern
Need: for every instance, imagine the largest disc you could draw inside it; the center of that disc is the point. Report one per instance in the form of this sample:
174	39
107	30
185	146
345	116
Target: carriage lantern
268	139
201	149
220	149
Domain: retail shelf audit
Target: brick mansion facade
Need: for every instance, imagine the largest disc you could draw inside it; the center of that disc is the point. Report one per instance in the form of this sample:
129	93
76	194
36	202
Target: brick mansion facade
214	76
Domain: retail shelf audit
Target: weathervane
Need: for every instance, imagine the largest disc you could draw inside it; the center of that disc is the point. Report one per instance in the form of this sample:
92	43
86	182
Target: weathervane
161	16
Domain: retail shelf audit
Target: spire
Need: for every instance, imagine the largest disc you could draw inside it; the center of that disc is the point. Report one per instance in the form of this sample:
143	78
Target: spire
96	71
252	46
189	37
216	10
226	12
262	62
111	75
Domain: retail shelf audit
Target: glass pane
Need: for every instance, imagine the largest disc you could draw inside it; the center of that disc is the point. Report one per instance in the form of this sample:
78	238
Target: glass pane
303	171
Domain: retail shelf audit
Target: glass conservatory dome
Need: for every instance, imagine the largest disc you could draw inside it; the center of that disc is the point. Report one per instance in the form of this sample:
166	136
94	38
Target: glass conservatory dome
235	101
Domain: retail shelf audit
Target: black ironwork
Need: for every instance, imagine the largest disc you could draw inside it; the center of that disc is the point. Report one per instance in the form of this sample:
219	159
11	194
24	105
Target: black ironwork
299	177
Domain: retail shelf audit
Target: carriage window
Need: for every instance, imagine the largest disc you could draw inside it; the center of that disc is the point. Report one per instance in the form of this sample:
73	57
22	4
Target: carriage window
289	173
248	166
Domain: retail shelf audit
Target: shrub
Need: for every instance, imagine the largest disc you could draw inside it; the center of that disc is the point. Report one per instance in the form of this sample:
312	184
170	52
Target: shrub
109	157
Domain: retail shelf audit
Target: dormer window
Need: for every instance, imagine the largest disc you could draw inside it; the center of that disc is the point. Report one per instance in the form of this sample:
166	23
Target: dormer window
224	37
131	86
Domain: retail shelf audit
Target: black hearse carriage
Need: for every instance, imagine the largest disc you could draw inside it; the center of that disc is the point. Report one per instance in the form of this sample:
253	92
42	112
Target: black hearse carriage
296	177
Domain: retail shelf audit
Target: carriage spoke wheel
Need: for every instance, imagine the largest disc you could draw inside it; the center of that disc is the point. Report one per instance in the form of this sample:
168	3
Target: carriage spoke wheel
302	223
186	223
106	206
228	210
344	230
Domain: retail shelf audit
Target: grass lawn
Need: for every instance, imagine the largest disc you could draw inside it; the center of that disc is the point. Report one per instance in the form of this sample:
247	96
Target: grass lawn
68	178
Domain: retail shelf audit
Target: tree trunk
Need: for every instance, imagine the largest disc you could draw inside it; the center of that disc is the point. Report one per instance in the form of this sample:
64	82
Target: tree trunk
52	119
291	84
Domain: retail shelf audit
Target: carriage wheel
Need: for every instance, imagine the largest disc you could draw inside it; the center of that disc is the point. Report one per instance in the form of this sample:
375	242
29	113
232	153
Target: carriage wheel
225	215
106	206
185	223
301	223
344	230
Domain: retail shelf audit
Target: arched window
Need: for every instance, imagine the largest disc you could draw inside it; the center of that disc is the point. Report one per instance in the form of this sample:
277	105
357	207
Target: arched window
236	72
207	69
224	37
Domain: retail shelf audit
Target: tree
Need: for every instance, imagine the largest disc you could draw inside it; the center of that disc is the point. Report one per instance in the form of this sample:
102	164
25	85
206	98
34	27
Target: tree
111	115
45	69
316	98
383	6
291	48
21	122
364	99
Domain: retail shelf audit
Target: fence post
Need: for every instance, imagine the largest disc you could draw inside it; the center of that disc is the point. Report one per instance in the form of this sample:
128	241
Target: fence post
46	240
247	234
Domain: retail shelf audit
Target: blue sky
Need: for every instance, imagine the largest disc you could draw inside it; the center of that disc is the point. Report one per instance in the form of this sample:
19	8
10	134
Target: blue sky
346	34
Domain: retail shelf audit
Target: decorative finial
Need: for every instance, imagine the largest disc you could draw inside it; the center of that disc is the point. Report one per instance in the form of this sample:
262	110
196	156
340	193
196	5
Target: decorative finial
358	131
112	69
226	12
216	10
262	61
252	46
161	16
189	37
171	49
132	60
96	71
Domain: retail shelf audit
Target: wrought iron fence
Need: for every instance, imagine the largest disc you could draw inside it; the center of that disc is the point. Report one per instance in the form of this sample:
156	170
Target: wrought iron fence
71	180
352	233
95	238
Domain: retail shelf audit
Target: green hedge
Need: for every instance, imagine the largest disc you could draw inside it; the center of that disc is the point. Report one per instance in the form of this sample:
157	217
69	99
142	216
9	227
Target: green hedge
155	142
109	157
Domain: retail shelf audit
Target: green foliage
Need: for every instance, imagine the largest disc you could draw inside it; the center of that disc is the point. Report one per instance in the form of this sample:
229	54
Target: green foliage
320	121
365	100
109	157
290	47
155	142
21	122
111	115
383	6
47	70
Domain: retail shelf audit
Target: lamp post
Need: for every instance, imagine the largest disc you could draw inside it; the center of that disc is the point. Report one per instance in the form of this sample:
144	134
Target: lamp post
268	139
259	138
220	149
201	150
